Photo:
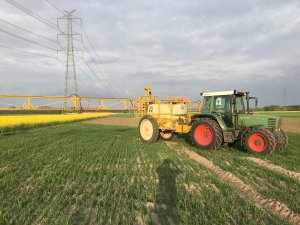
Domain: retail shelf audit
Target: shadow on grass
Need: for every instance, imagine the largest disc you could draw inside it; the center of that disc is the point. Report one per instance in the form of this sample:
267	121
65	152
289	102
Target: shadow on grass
166	194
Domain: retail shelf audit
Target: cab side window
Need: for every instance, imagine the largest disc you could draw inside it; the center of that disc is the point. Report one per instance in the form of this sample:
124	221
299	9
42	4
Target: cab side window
222	104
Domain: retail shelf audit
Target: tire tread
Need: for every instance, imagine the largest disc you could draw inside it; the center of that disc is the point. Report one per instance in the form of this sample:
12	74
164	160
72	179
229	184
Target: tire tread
268	134
283	141
155	135
218	134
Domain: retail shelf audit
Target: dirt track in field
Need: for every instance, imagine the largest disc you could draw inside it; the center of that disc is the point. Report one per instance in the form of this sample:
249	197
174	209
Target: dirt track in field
276	207
274	167
288	124
291	124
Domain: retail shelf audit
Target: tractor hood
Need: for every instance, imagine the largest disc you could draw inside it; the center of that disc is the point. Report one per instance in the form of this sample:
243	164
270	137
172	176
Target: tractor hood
248	120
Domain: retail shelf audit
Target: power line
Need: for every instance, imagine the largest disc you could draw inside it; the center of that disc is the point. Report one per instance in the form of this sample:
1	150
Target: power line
95	53
61	12
21	28
22	38
81	81
21	50
107	91
91	70
86	75
87	86
55	7
36	16
83	72
90	87
95	74
108	83
89	42
33	14
41	19
54	26
98	68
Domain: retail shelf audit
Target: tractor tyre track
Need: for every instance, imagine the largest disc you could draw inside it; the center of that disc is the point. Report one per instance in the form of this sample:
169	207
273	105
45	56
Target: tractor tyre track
274	167
276	207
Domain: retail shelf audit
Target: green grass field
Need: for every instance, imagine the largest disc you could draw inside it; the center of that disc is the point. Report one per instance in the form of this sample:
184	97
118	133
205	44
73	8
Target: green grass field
89	174
269	183
294	114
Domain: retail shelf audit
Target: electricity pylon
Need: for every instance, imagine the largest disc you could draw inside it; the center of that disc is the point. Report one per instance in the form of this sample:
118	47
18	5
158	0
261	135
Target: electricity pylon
71	88
284	99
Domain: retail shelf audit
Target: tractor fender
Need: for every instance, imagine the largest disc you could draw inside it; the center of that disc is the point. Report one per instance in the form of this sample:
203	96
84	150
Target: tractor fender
219	120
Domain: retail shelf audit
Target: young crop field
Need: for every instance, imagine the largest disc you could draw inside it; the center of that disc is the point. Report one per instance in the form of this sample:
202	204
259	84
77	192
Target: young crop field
295	114
83	173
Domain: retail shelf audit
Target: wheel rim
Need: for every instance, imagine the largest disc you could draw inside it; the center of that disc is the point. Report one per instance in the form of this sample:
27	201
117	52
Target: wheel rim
257	142
203	135
166	135
146	129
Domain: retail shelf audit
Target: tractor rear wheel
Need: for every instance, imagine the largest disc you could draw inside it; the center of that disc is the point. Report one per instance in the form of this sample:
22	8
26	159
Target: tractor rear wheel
259	141
166	135
206	134
148	128
282	140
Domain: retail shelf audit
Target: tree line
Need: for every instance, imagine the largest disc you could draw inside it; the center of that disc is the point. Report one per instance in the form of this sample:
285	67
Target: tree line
280	108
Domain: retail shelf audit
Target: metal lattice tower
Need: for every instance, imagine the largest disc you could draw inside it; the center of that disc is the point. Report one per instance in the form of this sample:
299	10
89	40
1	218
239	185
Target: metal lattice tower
70	71
284	98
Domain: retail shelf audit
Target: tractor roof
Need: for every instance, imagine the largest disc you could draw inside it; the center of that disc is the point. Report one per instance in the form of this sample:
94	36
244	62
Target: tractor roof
218	93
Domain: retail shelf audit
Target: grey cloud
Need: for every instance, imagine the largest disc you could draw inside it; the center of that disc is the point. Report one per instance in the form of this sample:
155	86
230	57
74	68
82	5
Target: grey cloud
176	46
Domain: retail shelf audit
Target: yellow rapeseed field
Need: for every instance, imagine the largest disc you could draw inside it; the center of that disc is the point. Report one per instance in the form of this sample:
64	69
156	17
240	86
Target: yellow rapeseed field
12	121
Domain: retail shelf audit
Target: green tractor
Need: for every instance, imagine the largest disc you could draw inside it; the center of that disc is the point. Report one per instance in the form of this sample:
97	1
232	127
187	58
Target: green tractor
226	118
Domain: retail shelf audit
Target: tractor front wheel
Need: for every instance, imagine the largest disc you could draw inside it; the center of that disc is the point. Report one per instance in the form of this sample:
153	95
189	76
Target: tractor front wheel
148	128
206	134
259	141
281	140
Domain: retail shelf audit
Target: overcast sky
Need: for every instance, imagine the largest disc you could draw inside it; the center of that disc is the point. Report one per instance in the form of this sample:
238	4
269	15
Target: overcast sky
182	47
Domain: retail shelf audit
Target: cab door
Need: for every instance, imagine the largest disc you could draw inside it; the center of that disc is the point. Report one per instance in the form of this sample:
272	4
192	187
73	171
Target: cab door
222	106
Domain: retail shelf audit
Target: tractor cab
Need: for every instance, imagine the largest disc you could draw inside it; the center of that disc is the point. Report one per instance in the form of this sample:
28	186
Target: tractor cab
233	109
226	105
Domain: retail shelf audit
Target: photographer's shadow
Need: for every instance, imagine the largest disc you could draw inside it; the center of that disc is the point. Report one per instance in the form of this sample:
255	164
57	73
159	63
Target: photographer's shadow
166	194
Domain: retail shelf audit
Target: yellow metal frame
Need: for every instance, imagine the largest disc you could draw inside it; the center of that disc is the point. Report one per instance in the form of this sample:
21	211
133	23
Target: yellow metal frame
105	104
139	106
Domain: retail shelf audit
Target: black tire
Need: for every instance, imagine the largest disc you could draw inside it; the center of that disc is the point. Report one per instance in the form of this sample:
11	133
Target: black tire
145	125
282	140
167	136
206	134
259	141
